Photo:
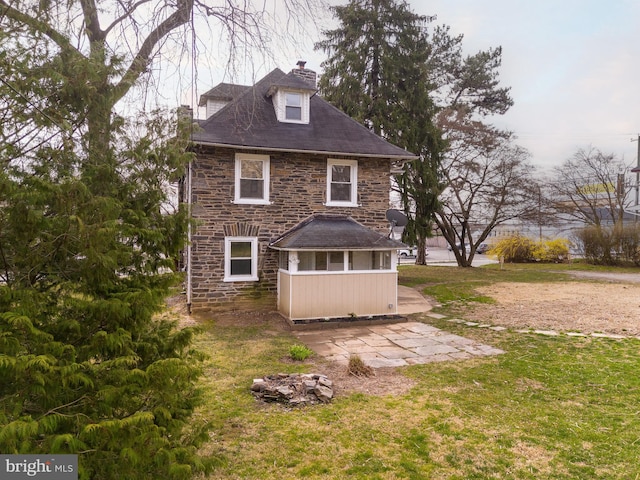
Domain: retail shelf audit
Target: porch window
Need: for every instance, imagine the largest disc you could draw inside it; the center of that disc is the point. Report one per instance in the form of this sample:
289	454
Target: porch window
321	261
252	179
369	260
342	183
283	260
240	259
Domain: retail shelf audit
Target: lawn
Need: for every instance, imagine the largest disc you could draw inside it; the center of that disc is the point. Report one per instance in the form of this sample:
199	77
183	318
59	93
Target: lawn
549	408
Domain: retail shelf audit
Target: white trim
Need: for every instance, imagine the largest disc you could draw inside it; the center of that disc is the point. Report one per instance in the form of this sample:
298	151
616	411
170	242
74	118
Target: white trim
253	276
353	171
338	272
266	179
189	236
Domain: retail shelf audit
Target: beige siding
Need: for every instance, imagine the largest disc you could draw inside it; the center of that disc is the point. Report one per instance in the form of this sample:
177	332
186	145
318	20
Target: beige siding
338	295
284	293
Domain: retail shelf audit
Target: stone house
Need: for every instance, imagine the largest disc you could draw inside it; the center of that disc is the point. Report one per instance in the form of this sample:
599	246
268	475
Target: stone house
289	197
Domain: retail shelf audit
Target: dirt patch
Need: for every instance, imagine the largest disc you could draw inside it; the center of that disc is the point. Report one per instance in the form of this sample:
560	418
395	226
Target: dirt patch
583	307
387	381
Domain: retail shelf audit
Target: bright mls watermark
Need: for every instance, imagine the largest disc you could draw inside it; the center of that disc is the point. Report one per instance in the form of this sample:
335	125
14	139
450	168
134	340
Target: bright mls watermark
49	467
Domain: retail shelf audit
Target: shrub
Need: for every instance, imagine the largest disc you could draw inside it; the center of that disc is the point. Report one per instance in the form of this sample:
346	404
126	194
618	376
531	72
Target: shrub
519	249
598	245
611	245
514	249
555	251
358	368
300	352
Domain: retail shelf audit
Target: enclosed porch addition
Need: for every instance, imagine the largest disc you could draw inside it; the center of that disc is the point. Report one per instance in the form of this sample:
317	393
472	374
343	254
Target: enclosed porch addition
331	267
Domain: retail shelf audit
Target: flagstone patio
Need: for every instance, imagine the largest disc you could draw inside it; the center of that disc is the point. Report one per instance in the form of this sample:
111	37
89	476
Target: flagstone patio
393	345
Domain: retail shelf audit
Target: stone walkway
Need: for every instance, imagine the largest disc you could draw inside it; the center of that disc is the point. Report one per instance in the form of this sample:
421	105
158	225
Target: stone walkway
393	345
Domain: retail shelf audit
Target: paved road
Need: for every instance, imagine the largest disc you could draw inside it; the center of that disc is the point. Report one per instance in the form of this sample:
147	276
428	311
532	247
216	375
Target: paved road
443	257
611	276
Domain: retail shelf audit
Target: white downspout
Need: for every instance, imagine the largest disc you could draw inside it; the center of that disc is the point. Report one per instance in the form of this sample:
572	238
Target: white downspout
189	238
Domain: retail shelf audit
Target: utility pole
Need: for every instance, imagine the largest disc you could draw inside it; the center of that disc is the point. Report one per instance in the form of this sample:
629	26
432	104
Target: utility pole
636	170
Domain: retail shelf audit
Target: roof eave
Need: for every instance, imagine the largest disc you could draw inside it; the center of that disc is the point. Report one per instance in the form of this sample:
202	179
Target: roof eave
333	249
403	158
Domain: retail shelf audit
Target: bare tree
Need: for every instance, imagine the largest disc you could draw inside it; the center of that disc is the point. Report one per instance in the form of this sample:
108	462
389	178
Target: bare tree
591	188
110	47
489	181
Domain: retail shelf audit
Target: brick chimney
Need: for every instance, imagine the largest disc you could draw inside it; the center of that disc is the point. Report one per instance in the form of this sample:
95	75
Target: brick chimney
304	73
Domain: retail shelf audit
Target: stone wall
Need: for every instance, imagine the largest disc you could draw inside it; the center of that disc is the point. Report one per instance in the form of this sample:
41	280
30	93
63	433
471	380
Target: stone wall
297	190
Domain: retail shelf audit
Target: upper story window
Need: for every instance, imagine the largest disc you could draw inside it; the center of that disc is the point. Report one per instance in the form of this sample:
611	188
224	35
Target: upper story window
293	106
252	179
342	183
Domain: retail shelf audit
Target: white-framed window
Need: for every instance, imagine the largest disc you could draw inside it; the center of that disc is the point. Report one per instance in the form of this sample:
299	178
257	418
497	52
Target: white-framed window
342	183
252	179
241	259
293	106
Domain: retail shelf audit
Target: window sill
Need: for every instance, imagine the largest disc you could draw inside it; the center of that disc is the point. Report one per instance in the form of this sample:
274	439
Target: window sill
240	279
252	202
342	204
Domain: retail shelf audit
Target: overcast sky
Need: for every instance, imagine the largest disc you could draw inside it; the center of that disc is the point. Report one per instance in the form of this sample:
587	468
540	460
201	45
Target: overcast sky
573	67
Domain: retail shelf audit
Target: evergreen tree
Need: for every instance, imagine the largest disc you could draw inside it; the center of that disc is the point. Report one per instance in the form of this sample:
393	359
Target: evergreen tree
86	261
87	242
87	252
377	72
413	86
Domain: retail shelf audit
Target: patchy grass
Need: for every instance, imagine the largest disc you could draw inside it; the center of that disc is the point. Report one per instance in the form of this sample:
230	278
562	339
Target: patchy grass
549	408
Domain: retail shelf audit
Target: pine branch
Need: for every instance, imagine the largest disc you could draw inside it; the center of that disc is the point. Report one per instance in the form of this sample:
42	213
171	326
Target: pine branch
40	26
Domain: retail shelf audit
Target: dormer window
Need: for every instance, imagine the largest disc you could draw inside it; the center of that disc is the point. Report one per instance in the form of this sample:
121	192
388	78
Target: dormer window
293	106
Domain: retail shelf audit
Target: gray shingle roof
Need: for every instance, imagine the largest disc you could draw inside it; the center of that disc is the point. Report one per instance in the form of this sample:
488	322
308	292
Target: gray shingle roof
326	232
249	121
223	91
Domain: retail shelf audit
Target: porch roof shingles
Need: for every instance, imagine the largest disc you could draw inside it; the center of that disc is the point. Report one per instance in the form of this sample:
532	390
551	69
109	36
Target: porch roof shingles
328	232
250	122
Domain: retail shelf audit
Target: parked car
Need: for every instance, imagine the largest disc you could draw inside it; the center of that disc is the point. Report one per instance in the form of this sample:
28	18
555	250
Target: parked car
411	252
482	248
467	247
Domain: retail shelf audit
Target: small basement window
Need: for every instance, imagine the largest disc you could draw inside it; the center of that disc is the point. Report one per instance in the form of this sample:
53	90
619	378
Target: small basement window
240	259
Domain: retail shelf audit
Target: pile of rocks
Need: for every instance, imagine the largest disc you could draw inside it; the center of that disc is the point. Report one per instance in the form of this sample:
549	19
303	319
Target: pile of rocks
294	389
